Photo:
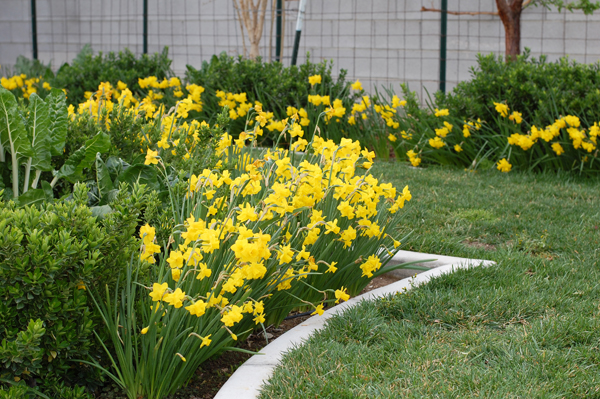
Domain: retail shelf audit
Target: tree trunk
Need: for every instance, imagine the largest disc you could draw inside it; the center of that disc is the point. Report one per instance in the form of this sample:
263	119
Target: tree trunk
254	51
253	18
510	14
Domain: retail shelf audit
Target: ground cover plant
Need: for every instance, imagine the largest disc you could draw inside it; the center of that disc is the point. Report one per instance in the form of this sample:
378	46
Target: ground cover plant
526	327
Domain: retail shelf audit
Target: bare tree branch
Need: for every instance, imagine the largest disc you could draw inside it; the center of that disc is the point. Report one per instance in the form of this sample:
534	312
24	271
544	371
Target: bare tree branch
460	12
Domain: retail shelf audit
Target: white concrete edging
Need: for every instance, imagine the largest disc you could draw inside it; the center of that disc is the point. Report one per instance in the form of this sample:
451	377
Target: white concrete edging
247	380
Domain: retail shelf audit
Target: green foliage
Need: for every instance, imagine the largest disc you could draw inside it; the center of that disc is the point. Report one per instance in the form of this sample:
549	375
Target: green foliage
540	90
87	71
274	85
49	256
586	6
31	136
28	67
14	392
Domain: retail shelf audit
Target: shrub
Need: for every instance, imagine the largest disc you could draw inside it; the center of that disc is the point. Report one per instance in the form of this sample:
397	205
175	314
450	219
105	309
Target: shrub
49	257
274	85
87	71
541	90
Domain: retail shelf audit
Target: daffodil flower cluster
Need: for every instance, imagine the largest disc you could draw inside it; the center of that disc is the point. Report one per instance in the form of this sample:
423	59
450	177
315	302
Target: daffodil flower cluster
28	86
276	231
564	141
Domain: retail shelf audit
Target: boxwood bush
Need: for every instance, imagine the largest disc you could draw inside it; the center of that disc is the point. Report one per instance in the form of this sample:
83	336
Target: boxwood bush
49	257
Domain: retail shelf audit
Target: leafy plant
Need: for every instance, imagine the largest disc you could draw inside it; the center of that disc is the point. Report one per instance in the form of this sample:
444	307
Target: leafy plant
49	257
87	71
541	90
32	137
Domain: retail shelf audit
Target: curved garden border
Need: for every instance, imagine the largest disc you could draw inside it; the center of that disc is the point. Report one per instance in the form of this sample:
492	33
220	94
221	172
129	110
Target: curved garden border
247	380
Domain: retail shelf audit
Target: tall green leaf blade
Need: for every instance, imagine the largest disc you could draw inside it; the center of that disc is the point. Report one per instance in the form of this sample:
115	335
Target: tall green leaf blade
38	130
13	136
84	157
103	179
57	104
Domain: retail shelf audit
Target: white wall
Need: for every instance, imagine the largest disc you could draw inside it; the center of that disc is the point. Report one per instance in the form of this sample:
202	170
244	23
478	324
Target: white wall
377	41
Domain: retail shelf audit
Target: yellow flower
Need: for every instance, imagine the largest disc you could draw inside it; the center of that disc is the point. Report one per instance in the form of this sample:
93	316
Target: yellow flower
557	148
341	295
516	117
247	213
175	298
318	310
458	148
332	268
313	80
176	260
144	330
346	209
397	103
234	315
151	157
466	131
158	291
285	255
392	138
357	85
441	112
502	109
504	166
197	308
206	341
175	274
436	142
296	131
259	318
372	264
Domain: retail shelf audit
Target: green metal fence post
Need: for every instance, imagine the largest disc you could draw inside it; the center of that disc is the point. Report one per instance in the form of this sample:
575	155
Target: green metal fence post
145	24
278	38
443	36
34	41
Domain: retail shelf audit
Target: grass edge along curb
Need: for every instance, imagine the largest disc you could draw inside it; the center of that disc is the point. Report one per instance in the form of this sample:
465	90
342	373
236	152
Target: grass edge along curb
248	379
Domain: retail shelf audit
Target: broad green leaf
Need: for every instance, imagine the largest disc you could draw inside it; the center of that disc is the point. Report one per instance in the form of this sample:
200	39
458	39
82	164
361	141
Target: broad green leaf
142	174
38	130
13	136
101	211
103	179
57	104
84	158
116	166
37	196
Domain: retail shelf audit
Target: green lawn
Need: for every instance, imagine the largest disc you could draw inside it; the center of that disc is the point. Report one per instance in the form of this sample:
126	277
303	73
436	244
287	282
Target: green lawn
528	327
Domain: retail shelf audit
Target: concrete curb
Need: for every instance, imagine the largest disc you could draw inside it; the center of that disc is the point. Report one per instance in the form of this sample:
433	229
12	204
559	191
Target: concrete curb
247	380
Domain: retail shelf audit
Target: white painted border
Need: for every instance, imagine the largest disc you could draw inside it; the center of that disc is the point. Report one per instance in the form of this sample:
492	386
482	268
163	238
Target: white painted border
247	380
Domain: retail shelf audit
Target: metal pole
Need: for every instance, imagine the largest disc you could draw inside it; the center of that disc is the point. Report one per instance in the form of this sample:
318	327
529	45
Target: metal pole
278	37
299	22
443	36
34	41
145	33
